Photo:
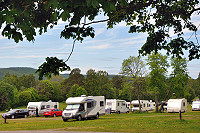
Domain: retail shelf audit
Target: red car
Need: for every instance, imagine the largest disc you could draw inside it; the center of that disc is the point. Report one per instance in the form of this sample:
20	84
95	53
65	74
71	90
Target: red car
53	112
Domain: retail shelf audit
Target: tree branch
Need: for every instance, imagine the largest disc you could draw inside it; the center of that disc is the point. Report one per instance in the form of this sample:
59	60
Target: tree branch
72	49
196	9
95	22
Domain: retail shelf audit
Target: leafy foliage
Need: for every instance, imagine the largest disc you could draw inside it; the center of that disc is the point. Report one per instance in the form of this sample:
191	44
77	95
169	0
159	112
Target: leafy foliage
52	65
155	17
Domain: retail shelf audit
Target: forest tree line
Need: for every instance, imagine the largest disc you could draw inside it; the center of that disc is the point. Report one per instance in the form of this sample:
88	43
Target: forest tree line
156	85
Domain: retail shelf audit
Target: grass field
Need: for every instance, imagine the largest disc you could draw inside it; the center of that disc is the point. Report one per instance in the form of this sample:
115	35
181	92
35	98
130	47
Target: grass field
132	122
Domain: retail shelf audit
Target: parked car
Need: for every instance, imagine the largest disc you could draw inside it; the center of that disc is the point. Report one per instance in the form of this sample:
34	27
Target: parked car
52	112
16	113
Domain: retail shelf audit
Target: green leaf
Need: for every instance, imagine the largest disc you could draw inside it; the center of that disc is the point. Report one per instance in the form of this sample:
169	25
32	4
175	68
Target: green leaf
17	36
93	3
65	15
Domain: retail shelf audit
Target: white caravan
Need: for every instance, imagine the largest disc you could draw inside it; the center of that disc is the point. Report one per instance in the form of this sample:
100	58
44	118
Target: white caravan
84	107
42	106
117	106
195	105
176	105
128	105
145	105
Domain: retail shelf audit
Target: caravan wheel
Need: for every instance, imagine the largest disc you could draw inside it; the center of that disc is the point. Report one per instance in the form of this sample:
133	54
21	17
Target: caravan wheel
97	116
79	118
65	120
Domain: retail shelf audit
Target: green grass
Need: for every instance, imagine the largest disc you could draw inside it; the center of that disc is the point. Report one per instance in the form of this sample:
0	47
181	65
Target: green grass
132	122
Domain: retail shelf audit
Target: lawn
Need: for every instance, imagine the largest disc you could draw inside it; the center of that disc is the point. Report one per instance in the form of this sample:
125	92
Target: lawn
132	122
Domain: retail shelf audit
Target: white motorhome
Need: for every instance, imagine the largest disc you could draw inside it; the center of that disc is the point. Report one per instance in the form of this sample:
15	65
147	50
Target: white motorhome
42	106
146	105
84	107
177	105
195	105
117	106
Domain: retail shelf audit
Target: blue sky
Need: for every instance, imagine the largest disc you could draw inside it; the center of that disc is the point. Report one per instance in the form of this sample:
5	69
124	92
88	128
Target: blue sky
104	52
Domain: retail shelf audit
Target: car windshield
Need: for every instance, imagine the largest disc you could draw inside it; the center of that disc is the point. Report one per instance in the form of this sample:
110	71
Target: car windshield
48	110
12	111
72	106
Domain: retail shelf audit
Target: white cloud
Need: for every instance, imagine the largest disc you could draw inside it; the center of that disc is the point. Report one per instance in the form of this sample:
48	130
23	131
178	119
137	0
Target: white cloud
102	46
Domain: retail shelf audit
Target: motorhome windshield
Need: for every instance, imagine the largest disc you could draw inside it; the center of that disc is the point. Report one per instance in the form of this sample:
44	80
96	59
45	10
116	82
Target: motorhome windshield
72	106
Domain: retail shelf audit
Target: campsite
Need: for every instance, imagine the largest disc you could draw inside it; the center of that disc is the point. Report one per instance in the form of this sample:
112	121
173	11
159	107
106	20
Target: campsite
100	65
131	122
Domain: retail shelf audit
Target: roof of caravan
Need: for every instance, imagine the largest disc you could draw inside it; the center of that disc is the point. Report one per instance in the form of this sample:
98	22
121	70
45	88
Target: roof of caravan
76	100
176	100
116	100
136	101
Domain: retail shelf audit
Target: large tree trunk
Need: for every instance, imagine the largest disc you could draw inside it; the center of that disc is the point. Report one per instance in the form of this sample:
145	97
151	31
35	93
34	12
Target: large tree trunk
156	100
138	95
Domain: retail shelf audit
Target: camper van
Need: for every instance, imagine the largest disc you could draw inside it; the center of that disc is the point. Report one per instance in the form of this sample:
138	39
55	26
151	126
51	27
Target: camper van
146	105
42	106
176	105
117	106
195	105
84	107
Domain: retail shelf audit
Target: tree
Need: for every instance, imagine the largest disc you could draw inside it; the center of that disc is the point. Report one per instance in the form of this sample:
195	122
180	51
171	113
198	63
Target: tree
179	77
12	80
80	91
27	81
91	83
8	96
75	77
23	19
45	90
134	69
76	91
104	84
157	78
117	82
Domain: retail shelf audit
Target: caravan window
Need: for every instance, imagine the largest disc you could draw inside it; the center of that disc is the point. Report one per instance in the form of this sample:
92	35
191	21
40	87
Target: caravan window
123	104
89	104
136	105
101	103
43	107
55	106
183	103
48	106
81	108
109	103
118	104
144	105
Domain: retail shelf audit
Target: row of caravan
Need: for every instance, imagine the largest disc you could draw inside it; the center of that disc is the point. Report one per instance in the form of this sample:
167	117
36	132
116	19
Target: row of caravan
121	106
95	106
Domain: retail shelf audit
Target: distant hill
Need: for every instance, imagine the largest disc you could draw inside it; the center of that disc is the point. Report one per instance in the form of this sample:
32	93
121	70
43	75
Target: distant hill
20	71
27	70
